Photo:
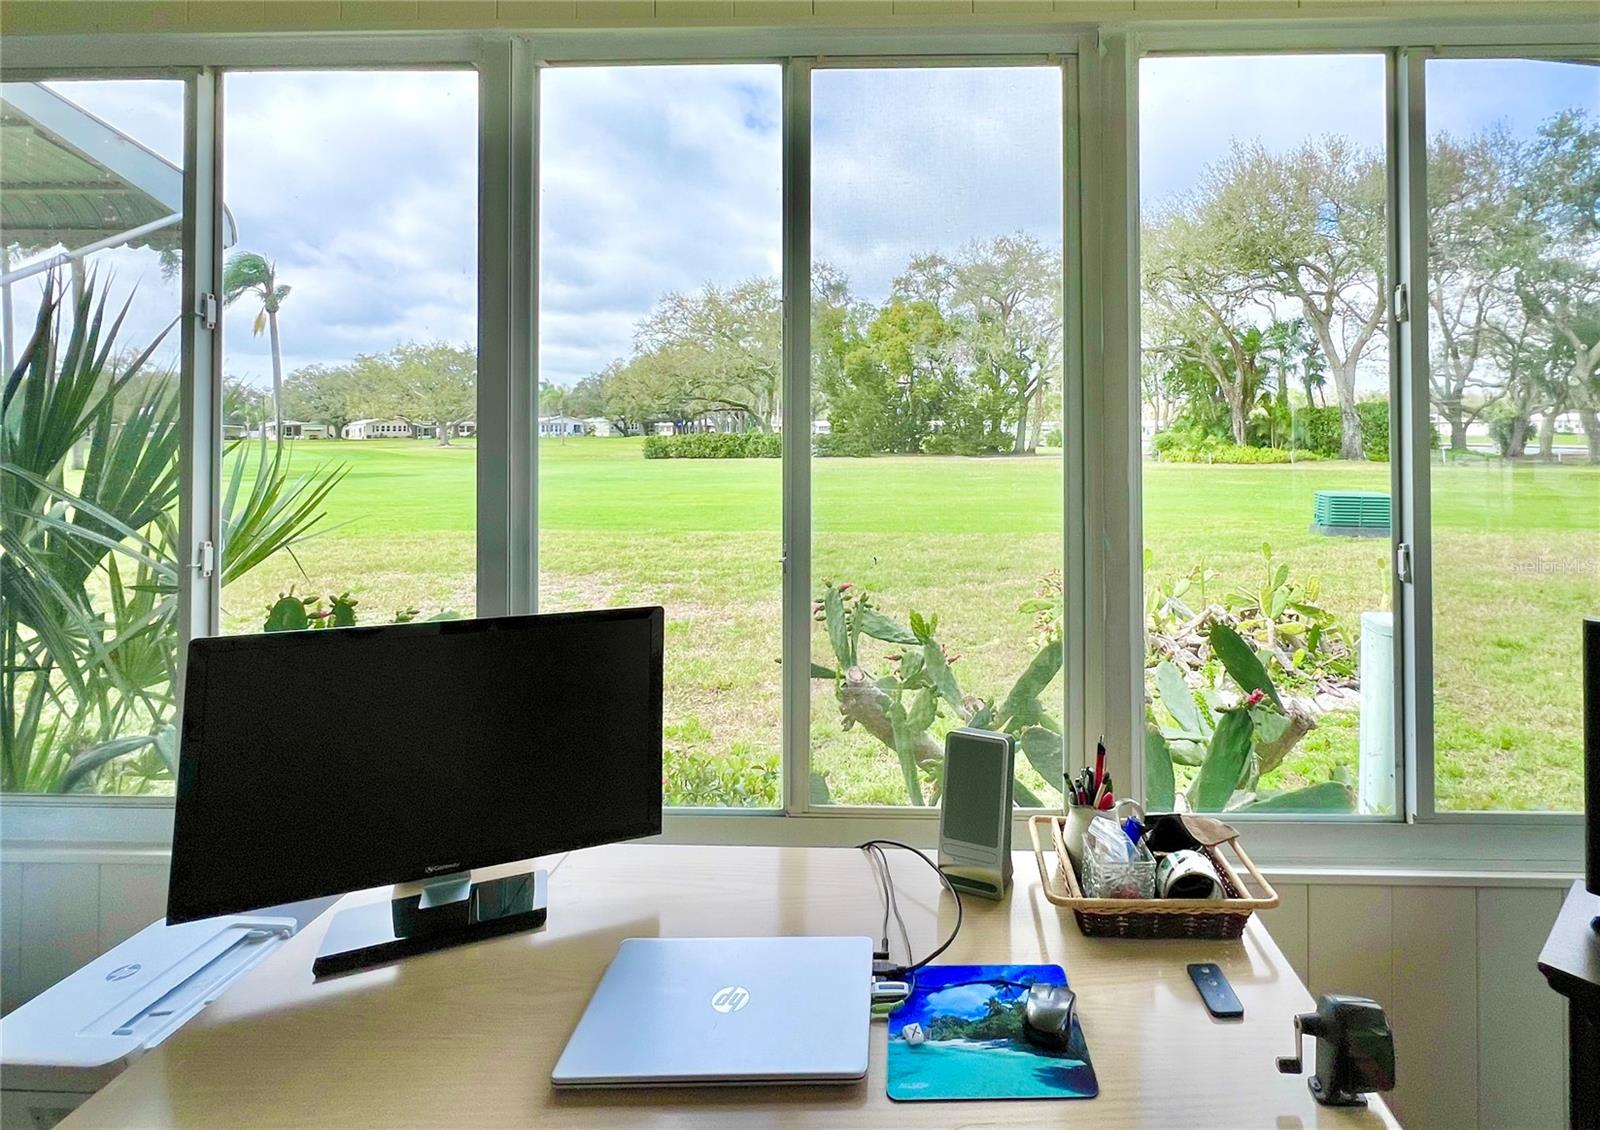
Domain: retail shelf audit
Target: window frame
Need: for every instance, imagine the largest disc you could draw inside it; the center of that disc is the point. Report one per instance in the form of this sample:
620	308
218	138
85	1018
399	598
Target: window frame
1101	227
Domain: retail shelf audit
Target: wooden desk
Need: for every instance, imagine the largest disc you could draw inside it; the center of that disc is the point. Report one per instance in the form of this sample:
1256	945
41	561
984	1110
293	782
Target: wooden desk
467	1037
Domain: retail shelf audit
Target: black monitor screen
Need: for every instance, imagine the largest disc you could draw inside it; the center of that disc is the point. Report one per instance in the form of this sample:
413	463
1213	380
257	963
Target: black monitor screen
318	762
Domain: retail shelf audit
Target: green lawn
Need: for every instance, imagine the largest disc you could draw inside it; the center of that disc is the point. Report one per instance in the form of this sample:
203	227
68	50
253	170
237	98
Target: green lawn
1516	559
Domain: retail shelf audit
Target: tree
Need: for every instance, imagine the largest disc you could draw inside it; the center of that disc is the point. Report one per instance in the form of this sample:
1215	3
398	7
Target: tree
585	399
425	382
720	349
1009	289
894	378
1205	308
1293	352
333	395
1003	297
1310	226
1557	276
552	399
243	405
1471	207
250	273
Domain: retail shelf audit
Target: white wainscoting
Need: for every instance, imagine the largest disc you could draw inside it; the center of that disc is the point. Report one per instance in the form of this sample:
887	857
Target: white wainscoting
1481	1038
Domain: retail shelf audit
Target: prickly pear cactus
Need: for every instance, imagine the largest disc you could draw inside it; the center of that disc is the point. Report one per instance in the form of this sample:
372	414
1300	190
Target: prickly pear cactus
288	613
343	612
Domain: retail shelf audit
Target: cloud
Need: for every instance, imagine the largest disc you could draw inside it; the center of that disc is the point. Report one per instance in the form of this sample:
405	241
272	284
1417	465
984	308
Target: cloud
362	185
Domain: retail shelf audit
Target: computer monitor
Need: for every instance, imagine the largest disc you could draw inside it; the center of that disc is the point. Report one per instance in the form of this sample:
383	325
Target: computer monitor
319	762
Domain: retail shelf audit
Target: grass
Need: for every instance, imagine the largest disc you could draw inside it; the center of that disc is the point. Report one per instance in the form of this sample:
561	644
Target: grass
1517	551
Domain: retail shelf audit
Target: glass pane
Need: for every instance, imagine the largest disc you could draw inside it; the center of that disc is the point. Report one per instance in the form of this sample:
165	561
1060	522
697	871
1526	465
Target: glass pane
350	355
936	416
91	201
1265	423
1514	336
659	416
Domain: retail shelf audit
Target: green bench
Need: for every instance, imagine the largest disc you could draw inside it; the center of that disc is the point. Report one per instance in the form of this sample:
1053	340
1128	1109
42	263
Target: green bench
1351	513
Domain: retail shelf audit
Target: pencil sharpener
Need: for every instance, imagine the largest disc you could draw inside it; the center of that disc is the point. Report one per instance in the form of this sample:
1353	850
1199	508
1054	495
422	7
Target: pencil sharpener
1355	1050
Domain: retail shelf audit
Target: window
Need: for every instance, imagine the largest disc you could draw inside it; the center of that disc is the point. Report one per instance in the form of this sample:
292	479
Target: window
350	356
920	449
659	374
1265	392
91	226
1513	317
936	419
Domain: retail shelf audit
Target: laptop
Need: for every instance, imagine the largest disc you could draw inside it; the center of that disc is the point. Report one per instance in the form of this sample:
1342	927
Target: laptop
699	1011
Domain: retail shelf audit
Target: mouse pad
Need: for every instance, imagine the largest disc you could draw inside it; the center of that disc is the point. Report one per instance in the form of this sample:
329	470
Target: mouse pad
960	1036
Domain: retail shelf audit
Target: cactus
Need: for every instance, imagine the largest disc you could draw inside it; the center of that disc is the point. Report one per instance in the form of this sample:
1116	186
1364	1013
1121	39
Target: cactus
290	613
1233	746
900	706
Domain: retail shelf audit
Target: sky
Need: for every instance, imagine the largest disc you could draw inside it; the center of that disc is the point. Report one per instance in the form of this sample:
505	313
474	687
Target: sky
361	186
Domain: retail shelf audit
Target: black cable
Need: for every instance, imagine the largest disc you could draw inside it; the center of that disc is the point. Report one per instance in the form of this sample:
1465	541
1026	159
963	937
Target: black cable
891	899
879	844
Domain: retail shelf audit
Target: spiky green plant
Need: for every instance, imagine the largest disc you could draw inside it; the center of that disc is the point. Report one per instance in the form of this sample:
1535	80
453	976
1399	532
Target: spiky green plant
89	571
901	705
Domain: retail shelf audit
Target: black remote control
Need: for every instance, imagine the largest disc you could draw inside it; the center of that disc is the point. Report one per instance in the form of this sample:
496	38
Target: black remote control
1215	991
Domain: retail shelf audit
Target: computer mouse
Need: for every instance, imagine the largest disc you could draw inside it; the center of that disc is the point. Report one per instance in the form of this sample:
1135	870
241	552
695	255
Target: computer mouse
1047	1016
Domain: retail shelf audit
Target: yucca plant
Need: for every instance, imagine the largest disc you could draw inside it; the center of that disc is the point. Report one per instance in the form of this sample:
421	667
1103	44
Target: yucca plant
89	570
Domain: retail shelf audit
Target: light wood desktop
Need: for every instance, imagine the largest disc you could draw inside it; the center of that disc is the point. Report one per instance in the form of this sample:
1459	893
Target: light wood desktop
468	1036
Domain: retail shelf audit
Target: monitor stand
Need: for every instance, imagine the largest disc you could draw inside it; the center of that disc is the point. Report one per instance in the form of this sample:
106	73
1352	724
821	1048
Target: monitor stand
448	910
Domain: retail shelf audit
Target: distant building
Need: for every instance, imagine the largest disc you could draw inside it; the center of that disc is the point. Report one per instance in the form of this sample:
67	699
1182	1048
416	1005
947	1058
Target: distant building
377	429
297	429
562	426
600	426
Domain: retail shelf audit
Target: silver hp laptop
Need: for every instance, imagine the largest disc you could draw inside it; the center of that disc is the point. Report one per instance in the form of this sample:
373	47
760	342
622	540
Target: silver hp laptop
682	1011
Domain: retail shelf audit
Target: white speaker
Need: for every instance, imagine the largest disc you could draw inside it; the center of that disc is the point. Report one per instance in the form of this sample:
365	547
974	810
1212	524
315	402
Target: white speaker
975	814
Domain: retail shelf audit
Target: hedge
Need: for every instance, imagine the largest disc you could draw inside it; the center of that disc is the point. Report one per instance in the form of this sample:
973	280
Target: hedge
1322	430
841	443
1235	453
715	445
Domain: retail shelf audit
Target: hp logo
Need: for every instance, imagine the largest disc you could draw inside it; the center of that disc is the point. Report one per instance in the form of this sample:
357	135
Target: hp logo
123	972
730	998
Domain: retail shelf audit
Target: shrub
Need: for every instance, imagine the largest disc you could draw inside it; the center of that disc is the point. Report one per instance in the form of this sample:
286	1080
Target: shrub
736	779
1319	430
952	443
715	445
850	444
1053	438
1502	422
1234	453
1374	429
1322	430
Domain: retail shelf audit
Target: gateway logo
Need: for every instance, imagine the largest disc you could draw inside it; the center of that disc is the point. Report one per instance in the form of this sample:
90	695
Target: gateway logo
730	998
438	867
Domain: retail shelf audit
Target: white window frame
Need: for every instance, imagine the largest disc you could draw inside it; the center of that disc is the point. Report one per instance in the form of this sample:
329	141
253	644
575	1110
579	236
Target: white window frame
1101	191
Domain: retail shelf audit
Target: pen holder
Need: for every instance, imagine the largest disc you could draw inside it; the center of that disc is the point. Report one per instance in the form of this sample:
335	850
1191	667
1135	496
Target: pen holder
1077	823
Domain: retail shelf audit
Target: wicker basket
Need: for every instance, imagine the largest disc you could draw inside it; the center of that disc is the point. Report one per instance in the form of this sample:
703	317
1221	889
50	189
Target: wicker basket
1148	918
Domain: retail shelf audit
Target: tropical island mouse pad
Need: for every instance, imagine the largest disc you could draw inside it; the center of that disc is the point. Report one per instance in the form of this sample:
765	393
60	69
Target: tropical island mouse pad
989	1032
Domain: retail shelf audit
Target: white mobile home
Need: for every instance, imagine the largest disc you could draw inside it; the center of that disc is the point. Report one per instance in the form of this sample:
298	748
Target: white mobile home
562	426
377	429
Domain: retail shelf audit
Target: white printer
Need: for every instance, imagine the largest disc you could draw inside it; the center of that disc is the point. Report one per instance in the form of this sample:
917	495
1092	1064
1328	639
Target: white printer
73	1038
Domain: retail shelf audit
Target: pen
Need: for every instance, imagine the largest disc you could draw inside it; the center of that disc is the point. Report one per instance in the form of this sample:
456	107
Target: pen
1099	762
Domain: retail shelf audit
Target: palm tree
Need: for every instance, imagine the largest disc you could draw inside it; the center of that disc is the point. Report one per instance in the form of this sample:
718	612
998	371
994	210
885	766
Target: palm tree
250	273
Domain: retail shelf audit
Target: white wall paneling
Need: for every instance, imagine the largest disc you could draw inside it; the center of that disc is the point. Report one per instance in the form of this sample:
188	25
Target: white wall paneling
1522	1057
1290	924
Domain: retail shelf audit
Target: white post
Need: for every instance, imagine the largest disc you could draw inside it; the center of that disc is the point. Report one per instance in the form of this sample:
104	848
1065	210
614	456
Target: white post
1375	781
